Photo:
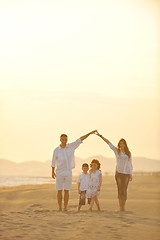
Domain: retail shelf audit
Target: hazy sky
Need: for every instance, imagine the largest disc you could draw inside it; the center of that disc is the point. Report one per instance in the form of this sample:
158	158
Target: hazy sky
75	66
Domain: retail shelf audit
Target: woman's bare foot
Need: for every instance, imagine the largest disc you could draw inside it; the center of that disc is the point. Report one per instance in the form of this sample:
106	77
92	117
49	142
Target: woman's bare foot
122	209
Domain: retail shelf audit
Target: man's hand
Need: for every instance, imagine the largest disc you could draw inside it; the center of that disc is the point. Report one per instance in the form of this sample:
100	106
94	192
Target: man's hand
85	136
79	191
94	131
53	175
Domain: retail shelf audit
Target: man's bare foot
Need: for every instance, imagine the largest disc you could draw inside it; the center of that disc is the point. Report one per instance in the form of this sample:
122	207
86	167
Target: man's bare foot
90	209
60	209
65	209
99	209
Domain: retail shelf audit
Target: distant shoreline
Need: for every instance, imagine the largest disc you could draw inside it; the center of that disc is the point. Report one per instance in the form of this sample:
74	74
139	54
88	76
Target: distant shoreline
43	169
13	181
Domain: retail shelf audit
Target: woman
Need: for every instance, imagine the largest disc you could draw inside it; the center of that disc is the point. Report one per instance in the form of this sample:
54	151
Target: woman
123	169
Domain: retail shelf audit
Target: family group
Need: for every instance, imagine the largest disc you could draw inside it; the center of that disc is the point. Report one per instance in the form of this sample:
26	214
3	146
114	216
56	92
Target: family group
89	183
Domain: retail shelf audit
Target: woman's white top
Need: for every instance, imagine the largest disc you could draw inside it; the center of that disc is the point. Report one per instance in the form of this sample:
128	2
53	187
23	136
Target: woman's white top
124	163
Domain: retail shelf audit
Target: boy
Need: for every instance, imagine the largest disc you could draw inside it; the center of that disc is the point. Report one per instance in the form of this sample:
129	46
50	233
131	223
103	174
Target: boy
83	184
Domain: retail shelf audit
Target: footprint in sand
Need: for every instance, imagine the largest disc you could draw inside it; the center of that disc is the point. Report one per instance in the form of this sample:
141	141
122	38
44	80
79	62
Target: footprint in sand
99	233
111	228
42	211
124	225
20	212
36	205
73	206
117	236
3	215
25	226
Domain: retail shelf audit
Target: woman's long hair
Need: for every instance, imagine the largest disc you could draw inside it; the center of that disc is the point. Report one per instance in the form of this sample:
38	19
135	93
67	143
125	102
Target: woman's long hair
126	149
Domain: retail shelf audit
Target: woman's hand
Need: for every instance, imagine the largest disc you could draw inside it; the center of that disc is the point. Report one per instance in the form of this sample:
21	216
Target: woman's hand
99	188
130	178
53	175
97	133
93	132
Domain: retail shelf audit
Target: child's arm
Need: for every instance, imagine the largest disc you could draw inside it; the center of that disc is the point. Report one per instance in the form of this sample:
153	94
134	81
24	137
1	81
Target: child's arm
79	191
100	182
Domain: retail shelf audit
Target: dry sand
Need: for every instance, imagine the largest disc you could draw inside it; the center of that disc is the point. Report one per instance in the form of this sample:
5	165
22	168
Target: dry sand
30	212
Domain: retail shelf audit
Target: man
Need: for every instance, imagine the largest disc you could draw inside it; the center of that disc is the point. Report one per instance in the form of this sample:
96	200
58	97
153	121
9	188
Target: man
63	159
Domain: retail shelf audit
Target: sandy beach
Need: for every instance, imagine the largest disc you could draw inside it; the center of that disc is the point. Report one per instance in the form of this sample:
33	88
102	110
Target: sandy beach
30	212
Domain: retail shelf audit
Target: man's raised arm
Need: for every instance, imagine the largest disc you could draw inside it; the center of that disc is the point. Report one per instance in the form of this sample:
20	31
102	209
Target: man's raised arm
87	135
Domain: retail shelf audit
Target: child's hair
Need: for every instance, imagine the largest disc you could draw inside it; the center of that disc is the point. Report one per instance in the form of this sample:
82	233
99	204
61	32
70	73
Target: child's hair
85	165
97	162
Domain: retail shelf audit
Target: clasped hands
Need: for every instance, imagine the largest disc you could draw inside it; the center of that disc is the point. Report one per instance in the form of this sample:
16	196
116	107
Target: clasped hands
95	132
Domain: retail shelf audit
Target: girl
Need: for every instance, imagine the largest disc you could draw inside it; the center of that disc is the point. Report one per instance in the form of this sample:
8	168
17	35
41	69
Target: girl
94	185
123	169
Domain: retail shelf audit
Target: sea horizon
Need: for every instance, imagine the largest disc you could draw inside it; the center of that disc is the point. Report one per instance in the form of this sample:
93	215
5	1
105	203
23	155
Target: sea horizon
20	180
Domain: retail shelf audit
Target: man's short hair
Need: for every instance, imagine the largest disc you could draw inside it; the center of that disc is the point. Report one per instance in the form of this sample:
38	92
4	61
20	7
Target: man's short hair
85	165
63	135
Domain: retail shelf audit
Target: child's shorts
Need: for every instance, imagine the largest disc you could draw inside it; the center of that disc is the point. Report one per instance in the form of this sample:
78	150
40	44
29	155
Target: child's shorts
82	198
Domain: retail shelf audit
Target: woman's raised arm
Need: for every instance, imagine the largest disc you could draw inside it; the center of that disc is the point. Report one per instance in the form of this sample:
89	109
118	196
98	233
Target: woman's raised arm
104	139
108	142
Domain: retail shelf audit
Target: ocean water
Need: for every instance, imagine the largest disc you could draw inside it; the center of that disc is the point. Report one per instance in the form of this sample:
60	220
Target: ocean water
9	181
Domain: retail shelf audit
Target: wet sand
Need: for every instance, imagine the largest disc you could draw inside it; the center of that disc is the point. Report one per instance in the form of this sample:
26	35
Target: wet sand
30	212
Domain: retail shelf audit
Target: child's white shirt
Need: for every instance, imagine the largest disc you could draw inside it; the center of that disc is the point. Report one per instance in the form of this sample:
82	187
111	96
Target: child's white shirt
83	179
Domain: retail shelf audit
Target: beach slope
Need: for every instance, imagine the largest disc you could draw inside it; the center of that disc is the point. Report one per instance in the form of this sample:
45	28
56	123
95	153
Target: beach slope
30	212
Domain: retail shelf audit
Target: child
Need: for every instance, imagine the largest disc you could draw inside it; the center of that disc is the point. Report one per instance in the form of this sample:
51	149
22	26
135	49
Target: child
83	184
94	184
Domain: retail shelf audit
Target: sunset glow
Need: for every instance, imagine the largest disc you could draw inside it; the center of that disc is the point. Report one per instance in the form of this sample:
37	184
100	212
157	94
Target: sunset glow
72	67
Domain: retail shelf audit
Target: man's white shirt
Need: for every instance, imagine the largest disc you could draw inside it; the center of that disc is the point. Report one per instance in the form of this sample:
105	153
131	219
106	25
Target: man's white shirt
63	158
